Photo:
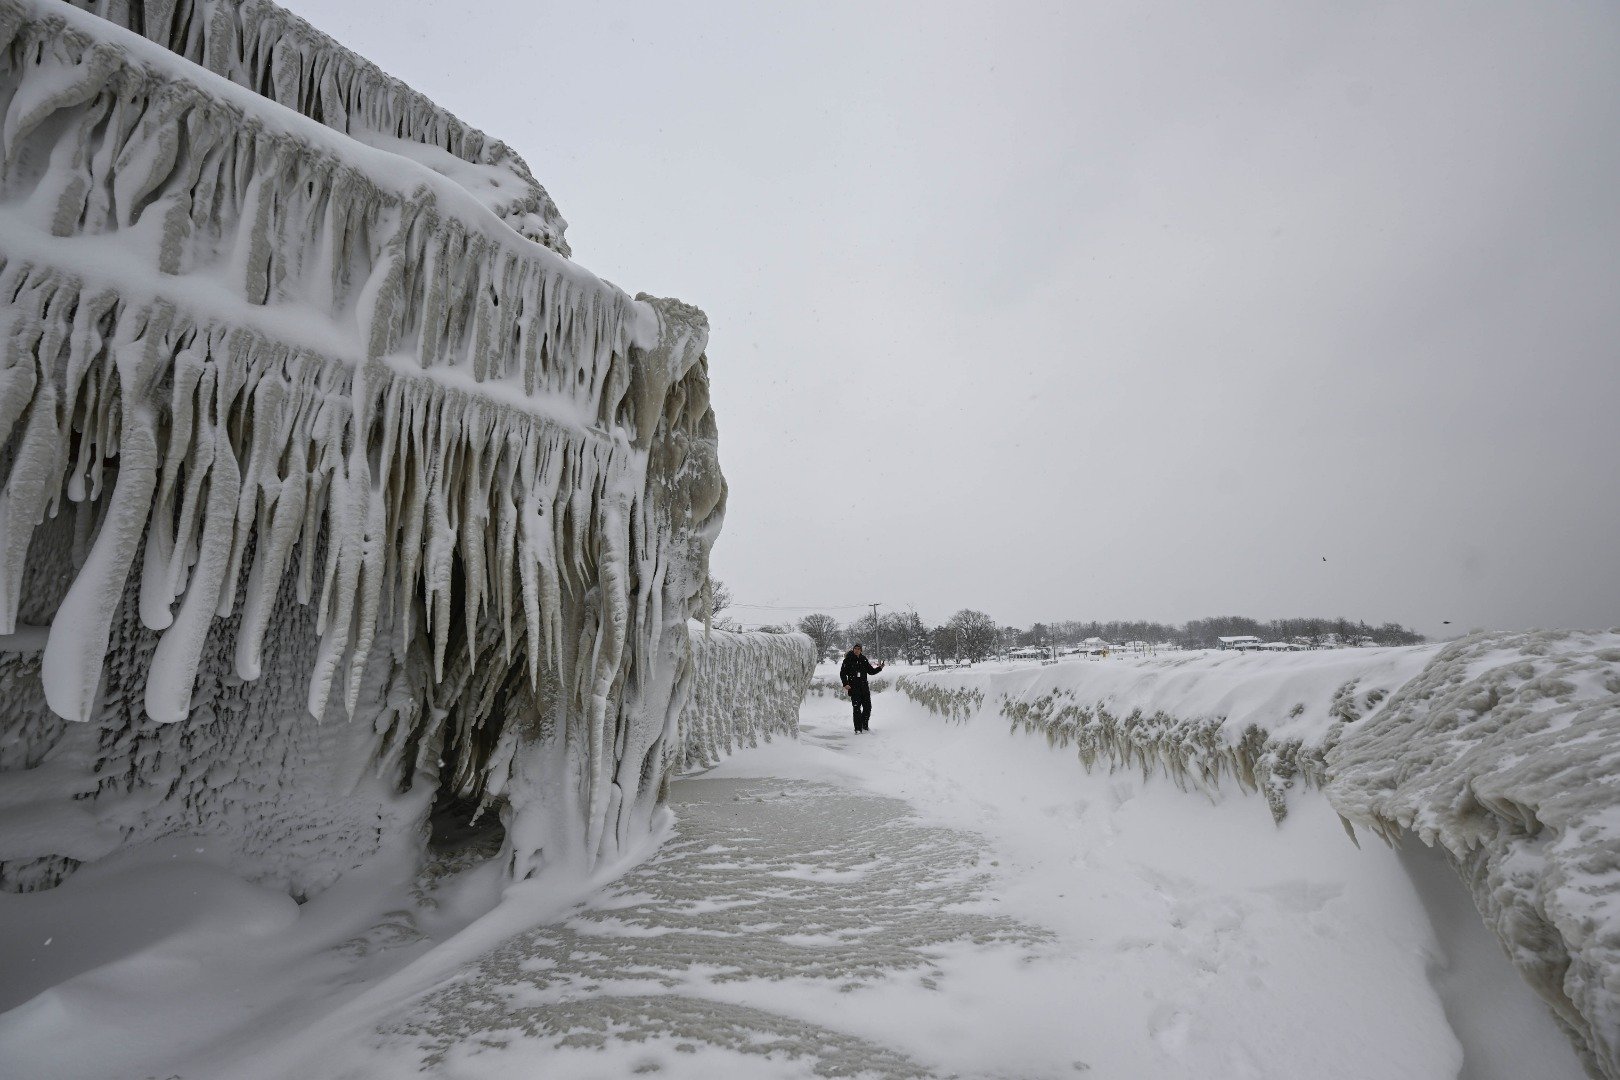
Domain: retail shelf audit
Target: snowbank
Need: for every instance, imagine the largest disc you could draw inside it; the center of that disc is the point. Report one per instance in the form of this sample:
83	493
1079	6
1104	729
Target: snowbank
1261	719
1505	751
329	484
1500	748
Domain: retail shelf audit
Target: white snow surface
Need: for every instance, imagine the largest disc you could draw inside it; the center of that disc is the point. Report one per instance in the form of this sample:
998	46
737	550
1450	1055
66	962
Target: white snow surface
931	899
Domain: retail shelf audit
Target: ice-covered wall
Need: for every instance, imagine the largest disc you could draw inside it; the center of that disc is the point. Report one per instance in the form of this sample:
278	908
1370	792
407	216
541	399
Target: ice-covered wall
314	471
1505	751
745	686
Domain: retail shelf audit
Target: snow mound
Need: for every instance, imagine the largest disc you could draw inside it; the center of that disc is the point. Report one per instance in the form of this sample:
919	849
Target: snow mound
321	486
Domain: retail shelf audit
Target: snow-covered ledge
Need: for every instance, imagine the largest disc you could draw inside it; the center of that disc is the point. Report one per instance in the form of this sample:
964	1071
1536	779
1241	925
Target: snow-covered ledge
325	484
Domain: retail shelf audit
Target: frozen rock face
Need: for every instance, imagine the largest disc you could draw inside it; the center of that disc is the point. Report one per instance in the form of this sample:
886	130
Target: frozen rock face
1505	752
321	485
273	52
745	686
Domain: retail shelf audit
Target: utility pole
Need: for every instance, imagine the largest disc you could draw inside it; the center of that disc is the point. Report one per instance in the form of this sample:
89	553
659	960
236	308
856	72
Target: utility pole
877	632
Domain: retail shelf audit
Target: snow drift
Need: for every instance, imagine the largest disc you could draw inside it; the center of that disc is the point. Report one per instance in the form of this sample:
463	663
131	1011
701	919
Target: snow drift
1499	748
324	486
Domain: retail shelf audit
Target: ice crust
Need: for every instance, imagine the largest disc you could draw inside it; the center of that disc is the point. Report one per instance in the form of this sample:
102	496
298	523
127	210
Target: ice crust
1499	748
324	482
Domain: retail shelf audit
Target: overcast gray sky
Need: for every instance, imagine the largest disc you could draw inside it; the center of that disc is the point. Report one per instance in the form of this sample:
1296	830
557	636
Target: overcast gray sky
1066	310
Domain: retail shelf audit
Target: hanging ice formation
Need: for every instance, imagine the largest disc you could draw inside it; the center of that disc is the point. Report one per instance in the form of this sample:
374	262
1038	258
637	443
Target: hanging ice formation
323	480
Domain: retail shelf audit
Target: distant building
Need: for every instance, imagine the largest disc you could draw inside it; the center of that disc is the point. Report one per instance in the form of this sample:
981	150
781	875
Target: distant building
1241	641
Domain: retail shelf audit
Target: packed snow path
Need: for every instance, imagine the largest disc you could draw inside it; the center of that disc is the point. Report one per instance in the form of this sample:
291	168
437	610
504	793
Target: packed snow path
931	900
770	892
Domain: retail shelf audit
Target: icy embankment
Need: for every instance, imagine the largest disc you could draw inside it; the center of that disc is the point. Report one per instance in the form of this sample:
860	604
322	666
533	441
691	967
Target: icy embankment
1500	748
1263	720
1505	751
745	687
324	486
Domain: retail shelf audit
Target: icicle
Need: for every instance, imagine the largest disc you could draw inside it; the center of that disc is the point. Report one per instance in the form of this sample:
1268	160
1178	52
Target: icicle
77	644
27	494
284	509
174	663
157	578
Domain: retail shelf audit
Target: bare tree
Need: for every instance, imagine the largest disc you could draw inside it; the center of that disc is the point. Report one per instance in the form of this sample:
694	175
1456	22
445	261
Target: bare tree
977	633
905	637
823	630
715	599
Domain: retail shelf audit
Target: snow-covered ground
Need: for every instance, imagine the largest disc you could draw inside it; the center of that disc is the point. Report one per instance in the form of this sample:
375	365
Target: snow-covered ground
934	898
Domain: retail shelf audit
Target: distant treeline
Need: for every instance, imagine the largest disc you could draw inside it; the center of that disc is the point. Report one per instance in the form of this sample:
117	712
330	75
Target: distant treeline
1206	633
974	635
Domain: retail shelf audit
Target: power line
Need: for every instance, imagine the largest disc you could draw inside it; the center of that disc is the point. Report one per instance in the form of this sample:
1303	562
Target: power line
797	607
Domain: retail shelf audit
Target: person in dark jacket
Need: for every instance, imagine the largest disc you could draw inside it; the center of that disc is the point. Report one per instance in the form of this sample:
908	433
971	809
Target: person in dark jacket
853	672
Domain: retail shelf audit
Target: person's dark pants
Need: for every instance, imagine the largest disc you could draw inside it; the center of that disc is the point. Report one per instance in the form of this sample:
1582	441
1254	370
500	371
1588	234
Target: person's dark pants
861	698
